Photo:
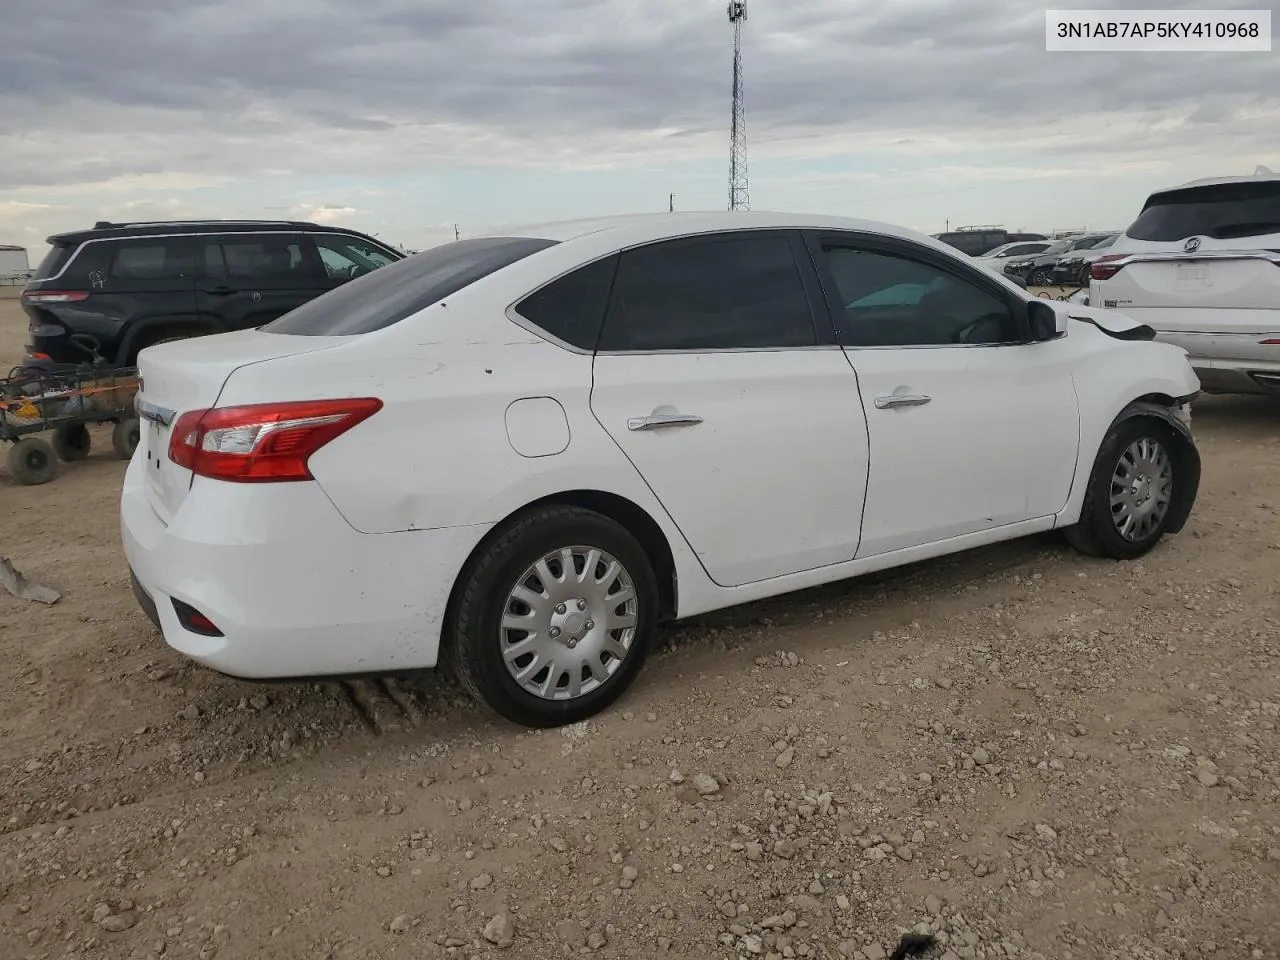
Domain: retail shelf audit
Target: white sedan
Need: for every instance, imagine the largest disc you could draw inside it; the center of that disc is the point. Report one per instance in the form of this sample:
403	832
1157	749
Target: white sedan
519	454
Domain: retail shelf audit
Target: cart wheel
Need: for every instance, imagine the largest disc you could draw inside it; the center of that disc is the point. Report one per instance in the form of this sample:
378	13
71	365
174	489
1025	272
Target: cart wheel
32	461
71	442
124	438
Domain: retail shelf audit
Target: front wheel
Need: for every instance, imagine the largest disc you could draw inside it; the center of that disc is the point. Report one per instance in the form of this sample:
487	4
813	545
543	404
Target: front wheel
1040	277
554	617
1131	489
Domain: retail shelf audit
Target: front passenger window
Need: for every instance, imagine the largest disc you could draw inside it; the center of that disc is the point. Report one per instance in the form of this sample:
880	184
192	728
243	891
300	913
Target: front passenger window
890	300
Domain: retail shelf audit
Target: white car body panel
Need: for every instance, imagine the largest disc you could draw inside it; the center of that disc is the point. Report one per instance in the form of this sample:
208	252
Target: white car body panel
778	427
968	485
1218	301
794	478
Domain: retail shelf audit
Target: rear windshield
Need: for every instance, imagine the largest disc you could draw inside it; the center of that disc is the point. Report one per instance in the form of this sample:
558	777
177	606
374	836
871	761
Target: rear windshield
53	261
389	294
1223	212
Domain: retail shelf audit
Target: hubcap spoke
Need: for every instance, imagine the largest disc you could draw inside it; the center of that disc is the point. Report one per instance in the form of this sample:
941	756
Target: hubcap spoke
1141	489
563	633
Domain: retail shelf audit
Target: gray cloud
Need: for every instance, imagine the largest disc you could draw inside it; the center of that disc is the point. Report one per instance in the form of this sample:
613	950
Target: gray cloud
96	92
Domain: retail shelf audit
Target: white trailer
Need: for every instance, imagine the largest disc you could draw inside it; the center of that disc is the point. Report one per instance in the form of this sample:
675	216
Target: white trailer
14	267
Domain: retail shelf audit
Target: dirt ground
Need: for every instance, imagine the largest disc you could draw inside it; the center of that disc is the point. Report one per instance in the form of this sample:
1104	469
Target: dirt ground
1034	754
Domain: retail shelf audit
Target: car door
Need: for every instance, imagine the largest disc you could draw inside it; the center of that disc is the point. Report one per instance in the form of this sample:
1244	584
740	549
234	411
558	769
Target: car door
970	427
718	381
253	278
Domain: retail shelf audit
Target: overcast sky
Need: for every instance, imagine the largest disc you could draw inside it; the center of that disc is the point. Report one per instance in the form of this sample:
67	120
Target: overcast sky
402	117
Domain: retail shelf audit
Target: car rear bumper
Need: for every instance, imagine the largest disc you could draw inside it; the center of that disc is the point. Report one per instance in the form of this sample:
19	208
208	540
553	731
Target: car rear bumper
1230	362
295	591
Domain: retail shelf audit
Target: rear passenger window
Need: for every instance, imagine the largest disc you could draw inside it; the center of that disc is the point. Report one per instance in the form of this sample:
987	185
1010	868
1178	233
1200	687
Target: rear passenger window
272	259
733	292
150	260
572	308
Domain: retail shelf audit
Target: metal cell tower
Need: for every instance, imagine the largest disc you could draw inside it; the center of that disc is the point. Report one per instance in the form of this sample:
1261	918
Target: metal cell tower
739	198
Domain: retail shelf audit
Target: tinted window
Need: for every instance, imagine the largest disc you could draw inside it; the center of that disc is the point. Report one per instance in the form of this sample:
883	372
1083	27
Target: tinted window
1223	212
270	259
719	294
892	300
390	294
54	260
572	308
974	242
158	259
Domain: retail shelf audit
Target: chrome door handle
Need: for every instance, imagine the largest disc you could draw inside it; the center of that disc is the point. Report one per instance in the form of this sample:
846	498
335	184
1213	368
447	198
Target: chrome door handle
656	420
901	400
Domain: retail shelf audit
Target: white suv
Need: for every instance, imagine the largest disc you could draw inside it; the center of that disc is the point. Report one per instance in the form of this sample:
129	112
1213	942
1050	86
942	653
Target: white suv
1201	266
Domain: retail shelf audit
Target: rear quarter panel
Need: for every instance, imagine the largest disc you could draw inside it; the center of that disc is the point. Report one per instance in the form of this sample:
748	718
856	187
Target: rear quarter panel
1110	375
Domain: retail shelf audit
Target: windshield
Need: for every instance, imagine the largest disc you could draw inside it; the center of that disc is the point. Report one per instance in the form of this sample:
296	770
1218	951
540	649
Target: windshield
1221	211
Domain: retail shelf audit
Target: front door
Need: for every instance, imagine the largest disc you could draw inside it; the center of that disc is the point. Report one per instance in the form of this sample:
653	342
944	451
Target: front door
731	400
970	427
253	278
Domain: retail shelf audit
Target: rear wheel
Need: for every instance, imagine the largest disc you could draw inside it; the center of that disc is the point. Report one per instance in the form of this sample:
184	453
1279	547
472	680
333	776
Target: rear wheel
125	437
554	617
1040	277
1130	491
32	461
71	442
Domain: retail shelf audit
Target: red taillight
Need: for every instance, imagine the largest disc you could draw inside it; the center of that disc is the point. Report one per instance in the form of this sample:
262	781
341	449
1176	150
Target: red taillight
55	296
1104	268
263	442
1274	342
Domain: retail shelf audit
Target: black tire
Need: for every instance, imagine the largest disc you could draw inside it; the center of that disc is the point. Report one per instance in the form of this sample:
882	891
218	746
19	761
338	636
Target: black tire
1040	277
474	636
71	442
1097	533
125	437
32	461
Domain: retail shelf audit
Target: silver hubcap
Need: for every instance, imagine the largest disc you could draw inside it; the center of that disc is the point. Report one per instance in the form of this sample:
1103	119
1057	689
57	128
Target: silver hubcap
569	623
1141	488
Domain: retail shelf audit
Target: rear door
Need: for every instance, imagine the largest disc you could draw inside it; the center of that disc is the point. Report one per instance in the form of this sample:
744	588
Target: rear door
134	283
250	279
718	381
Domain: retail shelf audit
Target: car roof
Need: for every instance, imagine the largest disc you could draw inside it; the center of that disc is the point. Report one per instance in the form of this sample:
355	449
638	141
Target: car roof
1221	181
628	229
104	230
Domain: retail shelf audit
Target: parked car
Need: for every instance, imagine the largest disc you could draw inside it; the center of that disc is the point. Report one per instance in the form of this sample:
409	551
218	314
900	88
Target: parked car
517	454
1017	249
977	241
1018	266
1038	271
1072	269
1199	265
130	285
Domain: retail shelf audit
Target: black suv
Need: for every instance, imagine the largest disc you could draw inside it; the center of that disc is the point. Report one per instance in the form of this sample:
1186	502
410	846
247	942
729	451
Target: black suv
121	287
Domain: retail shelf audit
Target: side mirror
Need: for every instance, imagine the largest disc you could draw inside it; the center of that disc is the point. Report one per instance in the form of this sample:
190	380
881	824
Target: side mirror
1046	320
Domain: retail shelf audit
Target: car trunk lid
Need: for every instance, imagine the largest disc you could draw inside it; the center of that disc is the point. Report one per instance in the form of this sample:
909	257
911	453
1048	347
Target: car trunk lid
178	377
1222	280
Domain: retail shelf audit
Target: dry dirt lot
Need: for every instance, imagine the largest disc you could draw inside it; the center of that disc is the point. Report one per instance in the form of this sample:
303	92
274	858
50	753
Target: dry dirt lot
1035	754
